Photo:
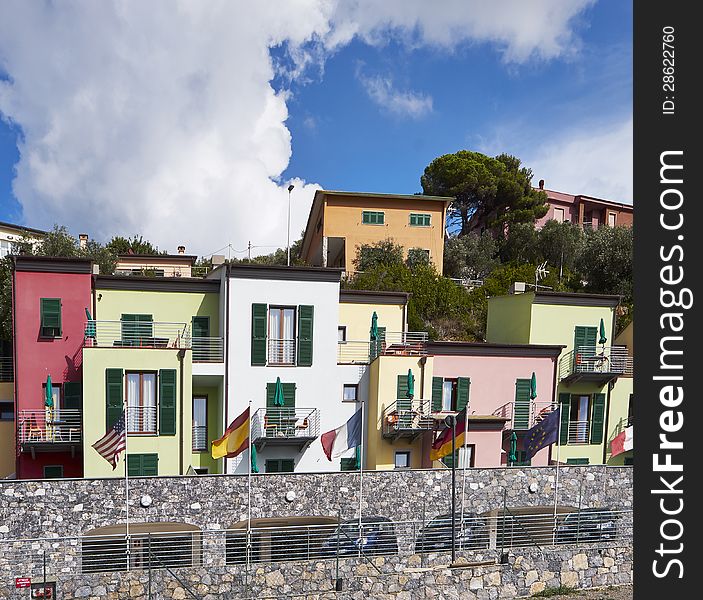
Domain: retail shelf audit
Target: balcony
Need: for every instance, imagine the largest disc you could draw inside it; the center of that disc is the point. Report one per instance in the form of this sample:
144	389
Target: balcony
127	334
579	432
595	365
208	349
524	416
199	438
353	352
141	420
44	430
399	343
6	369
285	426
281	352
407	419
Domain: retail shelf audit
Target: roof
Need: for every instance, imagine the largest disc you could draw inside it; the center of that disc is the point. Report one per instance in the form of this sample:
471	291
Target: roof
576	198
52	264
22	228
282	272
373	297
576	298
317	199
156	284
486	349
159	257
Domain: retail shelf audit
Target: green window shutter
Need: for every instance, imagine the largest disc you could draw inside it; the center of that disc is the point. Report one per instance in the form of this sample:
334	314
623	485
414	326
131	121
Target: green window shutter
419	220
287	465
53	472
305	322
585	336
463	385
402	387
576	461
134	465
50	315
289	395
597	418
272	466
167	402
258	334
114	395
437	384
565	404
270	389
136	327
150	465
521	412
72	392
201	327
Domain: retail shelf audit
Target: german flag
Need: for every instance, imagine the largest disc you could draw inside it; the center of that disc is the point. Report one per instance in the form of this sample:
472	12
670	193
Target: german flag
442	446
235	439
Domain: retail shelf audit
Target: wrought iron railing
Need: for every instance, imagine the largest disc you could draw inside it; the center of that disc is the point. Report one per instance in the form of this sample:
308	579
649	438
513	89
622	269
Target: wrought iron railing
199	438
407	415
208	349
353	352
399	343
49	426
141	419
7	371
144	334
285	422
281	352
526	415
613	360
579	432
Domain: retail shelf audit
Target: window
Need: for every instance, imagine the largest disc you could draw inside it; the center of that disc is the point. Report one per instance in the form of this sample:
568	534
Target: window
55	394
402	460
341	334
142	465
7	410
201	470
201	327
53	471
350	392
5	248
141	403
559	215
281	333
137	330
281	465
369	217
199	423
612	217
576	461
419	220
448	394
579	417
50	313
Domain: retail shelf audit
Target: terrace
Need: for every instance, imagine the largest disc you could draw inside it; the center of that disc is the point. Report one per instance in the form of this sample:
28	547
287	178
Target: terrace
595	365
285	426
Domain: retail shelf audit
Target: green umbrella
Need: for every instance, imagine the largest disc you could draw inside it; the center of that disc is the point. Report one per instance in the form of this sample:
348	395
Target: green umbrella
49	399
512	456
533	386
602	339
374	326
278	393
411	383
254	466
90	326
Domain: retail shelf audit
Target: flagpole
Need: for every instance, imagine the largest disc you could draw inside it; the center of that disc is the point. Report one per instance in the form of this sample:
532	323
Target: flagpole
249	496
463	476
556	479
126	479
361	465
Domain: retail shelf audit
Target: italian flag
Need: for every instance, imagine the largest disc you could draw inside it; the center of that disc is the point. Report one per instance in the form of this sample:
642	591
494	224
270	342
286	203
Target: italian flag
621	442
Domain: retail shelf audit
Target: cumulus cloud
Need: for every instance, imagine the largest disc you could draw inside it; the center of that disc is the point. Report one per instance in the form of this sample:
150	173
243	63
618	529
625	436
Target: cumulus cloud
160	118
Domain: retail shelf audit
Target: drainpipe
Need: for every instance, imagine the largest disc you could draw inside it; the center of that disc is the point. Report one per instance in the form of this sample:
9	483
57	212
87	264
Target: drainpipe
555	399
181	355
611	384
423	362
225	344
15	370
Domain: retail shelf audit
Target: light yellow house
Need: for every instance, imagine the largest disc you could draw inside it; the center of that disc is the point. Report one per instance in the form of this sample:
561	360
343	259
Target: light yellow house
621	402
340	222
155	345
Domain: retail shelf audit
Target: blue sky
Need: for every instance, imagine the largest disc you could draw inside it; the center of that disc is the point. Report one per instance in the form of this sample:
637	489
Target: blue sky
365	113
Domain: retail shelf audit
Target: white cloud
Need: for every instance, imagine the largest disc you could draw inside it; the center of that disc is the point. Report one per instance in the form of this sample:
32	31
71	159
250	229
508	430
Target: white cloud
594	161
159	118
400	103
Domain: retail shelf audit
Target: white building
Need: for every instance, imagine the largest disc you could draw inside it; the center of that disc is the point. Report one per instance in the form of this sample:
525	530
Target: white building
11	234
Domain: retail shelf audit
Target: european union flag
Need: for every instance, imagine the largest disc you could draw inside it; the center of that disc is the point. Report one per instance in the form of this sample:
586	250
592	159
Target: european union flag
543	434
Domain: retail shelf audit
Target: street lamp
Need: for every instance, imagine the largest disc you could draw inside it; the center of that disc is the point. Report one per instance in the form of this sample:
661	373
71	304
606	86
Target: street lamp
290	189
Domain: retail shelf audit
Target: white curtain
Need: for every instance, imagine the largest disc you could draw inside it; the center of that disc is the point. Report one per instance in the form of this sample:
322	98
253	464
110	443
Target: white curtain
149	401
133	402
447	395
288	335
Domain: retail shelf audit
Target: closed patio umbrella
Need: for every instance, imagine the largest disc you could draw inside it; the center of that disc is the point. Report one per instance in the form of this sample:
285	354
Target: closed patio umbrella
533	386
278	399
411	383
374	326
602	339
48	397
512	455
90	325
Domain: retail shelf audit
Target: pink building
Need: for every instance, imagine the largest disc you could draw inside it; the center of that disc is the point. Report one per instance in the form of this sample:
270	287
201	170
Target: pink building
499	384
50	297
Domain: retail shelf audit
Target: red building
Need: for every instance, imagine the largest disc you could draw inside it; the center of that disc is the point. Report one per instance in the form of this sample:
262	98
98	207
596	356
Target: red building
49	301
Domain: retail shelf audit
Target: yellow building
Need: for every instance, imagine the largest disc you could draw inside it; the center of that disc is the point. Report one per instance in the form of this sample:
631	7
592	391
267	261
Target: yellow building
155	345
621	402
340	222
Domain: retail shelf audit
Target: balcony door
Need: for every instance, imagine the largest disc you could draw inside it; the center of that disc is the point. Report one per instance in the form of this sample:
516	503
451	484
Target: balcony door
141	403
579	419
281	335
199	423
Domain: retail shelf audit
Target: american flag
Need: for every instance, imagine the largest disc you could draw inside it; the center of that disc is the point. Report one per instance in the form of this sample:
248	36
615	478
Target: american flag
112	443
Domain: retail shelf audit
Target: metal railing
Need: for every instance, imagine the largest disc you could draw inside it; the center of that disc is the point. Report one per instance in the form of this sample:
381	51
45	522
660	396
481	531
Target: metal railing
199	438
141	419
480	535
579	432
353	352
613	360
7	371
406	415
208	349
127	334
526	416
400	343
49	426
281	352
285	422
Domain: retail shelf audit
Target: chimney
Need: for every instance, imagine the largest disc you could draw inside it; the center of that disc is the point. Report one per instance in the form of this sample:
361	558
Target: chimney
82	240
541	184
181	249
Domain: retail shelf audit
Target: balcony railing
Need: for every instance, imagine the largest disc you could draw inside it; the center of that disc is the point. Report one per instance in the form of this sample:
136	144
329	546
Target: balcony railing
400	343
579	432
281	352
127	334
407	418
353	352
596	363
49	426
141	419
285	426
199	438
526	416
6	368
208	349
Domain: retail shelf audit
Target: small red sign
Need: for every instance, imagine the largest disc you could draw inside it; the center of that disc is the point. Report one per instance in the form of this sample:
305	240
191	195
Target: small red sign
23	582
